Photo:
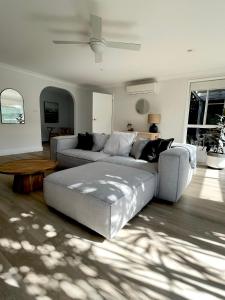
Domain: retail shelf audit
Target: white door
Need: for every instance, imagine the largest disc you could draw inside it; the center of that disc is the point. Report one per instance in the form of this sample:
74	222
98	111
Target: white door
102	113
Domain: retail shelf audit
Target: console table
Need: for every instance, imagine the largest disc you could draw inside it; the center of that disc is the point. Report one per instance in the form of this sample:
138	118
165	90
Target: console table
148	135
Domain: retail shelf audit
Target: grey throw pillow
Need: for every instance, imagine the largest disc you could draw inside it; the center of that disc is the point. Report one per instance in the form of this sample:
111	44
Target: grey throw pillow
99	140
138	147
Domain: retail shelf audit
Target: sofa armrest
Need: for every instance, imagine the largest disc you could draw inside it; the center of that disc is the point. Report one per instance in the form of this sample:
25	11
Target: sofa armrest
175	173
60	143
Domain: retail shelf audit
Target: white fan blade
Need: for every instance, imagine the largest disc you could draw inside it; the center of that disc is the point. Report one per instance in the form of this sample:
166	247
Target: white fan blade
98	57
121	45
96	27
69	42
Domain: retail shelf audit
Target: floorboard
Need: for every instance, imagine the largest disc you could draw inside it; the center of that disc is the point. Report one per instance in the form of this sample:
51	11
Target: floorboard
166	252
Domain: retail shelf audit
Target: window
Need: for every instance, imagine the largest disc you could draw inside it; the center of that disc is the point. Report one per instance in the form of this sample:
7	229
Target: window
196	136
11	104
197	107
215	106
205	106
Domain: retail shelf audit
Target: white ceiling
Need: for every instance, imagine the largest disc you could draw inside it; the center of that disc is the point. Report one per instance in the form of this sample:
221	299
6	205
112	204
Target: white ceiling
166	29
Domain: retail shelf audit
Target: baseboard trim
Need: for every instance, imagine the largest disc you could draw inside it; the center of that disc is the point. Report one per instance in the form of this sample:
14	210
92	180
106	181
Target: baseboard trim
4	152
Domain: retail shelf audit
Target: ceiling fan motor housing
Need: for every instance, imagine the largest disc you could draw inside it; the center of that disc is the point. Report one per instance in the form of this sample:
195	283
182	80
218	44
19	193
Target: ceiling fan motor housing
97	46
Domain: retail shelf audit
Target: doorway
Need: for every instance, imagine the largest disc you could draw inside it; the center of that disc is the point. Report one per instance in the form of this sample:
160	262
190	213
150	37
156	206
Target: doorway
57	113
102	113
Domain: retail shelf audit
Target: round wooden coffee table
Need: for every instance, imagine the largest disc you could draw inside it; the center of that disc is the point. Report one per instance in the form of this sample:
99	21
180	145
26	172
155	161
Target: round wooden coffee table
28	173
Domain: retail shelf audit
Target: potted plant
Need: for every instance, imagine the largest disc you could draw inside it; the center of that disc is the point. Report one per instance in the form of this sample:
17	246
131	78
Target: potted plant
214	143
20	119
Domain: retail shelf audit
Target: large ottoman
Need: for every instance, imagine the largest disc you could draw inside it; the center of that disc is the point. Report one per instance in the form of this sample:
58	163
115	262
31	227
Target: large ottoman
103	196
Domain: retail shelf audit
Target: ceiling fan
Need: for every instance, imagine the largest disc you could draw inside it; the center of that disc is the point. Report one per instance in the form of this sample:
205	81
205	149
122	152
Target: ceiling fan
97	43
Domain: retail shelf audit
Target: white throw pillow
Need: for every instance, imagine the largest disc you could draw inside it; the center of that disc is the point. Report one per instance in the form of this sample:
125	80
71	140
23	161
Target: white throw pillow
120	143
99	140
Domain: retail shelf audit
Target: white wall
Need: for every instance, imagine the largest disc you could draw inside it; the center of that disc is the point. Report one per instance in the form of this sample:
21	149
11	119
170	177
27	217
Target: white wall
170	102
66	110
17	138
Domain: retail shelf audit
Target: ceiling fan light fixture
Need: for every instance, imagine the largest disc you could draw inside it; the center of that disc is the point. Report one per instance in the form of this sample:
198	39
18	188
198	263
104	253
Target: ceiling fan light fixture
97	46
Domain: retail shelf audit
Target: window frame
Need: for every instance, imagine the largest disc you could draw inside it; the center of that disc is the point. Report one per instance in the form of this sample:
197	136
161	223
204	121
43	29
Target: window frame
187	106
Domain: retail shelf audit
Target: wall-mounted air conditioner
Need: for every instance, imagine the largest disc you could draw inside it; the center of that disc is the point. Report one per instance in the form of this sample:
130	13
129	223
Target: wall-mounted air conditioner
143	88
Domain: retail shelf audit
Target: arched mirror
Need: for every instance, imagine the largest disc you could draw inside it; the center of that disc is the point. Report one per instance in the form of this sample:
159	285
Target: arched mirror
12	109
142	106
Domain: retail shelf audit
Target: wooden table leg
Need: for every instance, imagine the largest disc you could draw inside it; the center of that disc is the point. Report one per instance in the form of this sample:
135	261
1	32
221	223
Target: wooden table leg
37	183
25	184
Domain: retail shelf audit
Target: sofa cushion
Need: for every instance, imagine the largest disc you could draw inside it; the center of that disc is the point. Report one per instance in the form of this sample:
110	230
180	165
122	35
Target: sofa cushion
102	180
138	147
84	154
120	143
99	141
85	141
131	162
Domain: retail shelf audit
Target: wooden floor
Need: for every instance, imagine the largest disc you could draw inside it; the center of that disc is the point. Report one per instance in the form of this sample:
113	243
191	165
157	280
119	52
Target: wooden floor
166	252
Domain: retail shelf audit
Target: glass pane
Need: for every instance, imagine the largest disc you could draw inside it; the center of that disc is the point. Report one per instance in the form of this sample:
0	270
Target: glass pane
196	136
197	107
215	106
12	107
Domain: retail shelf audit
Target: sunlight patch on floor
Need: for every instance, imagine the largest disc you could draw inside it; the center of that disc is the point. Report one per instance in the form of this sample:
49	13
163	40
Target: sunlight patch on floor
207	192
159	264
208	184
212	173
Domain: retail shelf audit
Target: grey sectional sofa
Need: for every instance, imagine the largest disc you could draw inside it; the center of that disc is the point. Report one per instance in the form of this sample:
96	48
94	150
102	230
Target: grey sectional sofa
173	171
104	192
